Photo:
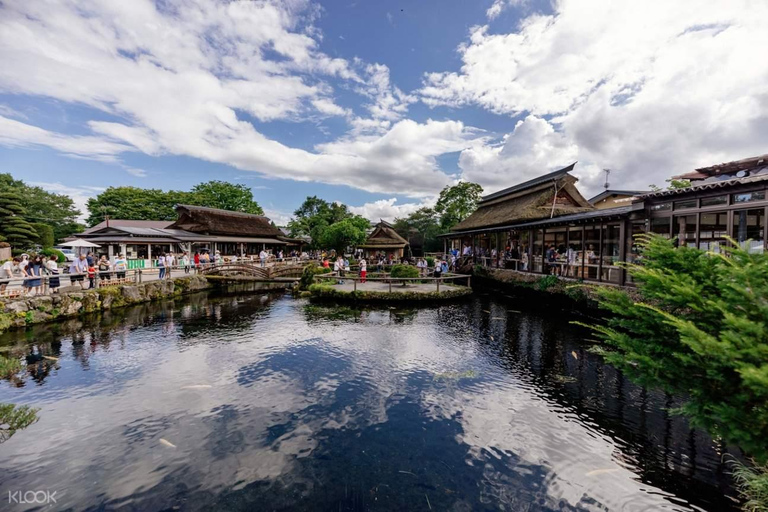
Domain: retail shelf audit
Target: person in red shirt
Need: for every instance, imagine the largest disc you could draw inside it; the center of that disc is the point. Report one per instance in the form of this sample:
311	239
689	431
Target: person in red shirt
197	259
92	275
325	264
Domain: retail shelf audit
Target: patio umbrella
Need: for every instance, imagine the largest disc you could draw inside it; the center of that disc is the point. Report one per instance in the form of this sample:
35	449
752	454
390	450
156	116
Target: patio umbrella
79	242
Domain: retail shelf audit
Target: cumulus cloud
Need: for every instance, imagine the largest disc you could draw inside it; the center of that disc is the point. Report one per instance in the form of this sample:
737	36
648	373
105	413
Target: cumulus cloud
79	195
139	173
178	77
387	209
648	89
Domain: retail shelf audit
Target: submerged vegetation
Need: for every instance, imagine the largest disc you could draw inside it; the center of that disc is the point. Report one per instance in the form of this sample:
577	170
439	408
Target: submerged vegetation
699	328
13	417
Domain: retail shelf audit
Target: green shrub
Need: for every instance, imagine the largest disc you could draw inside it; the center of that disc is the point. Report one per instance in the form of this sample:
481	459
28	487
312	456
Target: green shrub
430	261
404	271
308	275
55	252
9	367
546	282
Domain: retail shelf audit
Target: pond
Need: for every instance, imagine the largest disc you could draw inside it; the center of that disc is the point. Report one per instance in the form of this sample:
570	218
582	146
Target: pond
265	402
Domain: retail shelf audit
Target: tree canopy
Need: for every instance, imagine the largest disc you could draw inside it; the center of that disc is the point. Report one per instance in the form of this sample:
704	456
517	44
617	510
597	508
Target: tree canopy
457	202
155	204
421	227
345	233
315	216
14	229
41	206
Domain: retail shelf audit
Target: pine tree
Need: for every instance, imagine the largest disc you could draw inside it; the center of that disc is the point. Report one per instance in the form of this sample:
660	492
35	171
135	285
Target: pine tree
13	228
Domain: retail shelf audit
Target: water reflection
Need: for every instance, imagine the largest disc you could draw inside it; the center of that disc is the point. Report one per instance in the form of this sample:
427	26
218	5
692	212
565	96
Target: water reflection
266	402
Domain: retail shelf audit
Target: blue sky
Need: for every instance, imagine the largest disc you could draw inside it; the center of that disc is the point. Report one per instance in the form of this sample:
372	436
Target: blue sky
378	104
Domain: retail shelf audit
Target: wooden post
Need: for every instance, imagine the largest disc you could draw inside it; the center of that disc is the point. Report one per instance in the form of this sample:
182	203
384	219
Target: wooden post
390	285
468	283
354	284
438	284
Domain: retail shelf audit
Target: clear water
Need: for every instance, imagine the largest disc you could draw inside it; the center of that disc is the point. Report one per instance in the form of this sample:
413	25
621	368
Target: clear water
270	403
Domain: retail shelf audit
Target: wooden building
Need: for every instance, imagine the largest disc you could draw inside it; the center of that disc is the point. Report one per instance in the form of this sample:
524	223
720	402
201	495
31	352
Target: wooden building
615	198
514	228
384	240
196	229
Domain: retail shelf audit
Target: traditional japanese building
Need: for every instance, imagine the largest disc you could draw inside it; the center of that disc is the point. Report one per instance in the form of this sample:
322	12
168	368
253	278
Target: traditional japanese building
196	229
384	240
514	228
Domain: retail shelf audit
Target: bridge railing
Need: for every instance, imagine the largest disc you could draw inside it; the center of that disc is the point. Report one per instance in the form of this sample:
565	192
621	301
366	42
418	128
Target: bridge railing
357	280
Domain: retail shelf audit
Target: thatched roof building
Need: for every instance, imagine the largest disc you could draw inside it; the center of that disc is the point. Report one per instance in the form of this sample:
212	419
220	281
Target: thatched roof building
211	221
547	196
384	240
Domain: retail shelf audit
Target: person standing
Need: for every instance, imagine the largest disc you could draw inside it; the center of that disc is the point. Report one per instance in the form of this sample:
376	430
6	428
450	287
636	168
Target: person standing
121	265
90	259
34	271
263	257
161	266
185	262
363	270
170	259
6	272
52	267
438	268
197	260
104	268
77	271
92	276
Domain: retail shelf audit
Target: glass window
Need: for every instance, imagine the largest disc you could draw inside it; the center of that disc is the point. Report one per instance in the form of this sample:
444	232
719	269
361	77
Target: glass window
661	226
712	232
538	253
555	238
633	249
714	201
610	254
661	207
575	254
747	197
749	229
685	205
592	255
685	230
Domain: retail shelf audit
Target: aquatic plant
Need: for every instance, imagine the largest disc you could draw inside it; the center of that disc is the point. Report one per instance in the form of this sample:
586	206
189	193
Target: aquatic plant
752	484
546	282
9	367
14	418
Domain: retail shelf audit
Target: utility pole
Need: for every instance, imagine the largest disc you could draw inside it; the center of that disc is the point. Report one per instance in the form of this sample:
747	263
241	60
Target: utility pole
106	216
607	172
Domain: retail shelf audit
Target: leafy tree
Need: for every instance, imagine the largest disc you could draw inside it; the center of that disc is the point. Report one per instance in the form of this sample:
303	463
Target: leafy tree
56	210
135	203
226	196
700	329
457	202
673	185
314	217
13	228
423	225
345	233
44	234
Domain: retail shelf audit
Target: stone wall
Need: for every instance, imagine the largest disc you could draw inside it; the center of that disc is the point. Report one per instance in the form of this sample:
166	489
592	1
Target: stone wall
35	310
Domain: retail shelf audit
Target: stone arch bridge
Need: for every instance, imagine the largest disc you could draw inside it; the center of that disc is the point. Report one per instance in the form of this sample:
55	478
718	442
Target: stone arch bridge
254	271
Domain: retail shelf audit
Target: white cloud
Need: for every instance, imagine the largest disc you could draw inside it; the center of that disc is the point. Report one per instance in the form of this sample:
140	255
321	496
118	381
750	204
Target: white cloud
647	89
279	217
499	6
79	195
179	76
388	209
139	173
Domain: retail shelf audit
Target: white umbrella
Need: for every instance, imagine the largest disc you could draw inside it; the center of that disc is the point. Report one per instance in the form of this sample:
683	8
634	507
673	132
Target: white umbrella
79	242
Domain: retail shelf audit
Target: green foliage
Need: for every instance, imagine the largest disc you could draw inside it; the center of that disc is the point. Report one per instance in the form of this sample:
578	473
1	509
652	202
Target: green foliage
60	258
14	229
457	202
308	275
225	196
700	329
313	218
55	210
404	271
430	261
752	484
9	367
14	418
345	233
546	283
327	291
44	234
673	185
154	204
421	227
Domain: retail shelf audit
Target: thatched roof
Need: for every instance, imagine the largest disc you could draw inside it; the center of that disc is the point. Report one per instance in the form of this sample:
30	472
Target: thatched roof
384	236
531	200
211	221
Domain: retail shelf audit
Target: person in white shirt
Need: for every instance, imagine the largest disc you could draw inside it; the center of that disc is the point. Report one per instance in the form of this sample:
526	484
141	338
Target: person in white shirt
363	270
169	260
263	257
185	262
121	265
77	271
23	263
52	266
6	271
233	259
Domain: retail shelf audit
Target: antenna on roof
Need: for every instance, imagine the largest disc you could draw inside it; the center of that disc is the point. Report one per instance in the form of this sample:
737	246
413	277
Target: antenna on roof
607	172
